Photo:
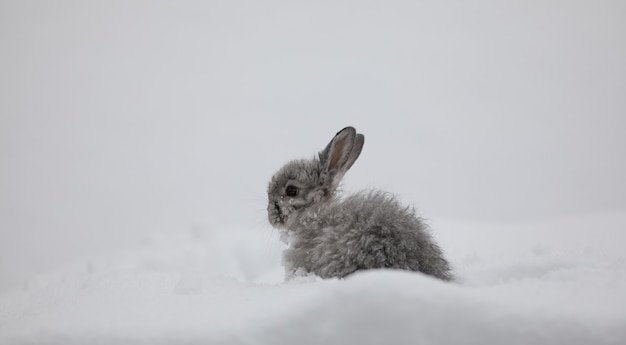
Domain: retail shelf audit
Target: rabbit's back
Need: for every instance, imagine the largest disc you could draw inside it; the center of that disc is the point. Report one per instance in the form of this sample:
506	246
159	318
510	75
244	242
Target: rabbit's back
365	231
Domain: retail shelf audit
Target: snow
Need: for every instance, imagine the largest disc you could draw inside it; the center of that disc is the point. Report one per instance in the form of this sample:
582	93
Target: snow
554	282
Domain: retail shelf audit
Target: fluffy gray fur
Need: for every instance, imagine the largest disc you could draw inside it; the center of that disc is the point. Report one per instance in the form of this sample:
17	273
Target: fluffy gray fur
331	237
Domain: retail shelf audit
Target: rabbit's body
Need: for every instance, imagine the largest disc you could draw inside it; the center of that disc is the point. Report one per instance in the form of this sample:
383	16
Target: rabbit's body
331	237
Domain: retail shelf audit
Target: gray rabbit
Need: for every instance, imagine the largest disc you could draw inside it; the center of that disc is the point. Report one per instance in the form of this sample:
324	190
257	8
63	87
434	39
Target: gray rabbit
331	237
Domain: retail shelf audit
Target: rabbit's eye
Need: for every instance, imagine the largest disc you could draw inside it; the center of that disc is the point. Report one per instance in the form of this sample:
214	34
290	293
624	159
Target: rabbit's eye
291	190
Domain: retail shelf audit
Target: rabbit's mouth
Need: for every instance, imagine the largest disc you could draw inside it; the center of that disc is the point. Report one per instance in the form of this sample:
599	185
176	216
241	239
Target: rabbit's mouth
275	214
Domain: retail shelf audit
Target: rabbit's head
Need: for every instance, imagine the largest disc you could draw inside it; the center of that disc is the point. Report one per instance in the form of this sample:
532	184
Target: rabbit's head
303	184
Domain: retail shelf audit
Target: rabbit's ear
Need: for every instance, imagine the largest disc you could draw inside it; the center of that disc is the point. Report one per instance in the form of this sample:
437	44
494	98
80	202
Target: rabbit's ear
342	151
359	140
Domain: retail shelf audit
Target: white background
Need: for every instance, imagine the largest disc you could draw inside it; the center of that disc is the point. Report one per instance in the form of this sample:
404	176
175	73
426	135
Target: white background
123	119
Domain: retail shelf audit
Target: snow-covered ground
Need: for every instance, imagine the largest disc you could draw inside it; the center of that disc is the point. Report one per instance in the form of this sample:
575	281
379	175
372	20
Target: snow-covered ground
554	282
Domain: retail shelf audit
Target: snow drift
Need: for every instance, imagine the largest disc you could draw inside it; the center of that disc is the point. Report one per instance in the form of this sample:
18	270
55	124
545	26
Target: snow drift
556	282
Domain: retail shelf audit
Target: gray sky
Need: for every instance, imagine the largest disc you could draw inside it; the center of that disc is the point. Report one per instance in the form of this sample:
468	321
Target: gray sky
121	119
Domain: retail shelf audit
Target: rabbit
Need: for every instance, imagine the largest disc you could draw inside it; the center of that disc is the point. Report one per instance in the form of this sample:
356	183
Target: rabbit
332	237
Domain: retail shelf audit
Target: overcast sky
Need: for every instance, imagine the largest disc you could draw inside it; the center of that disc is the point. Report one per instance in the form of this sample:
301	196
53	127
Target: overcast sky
123	118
